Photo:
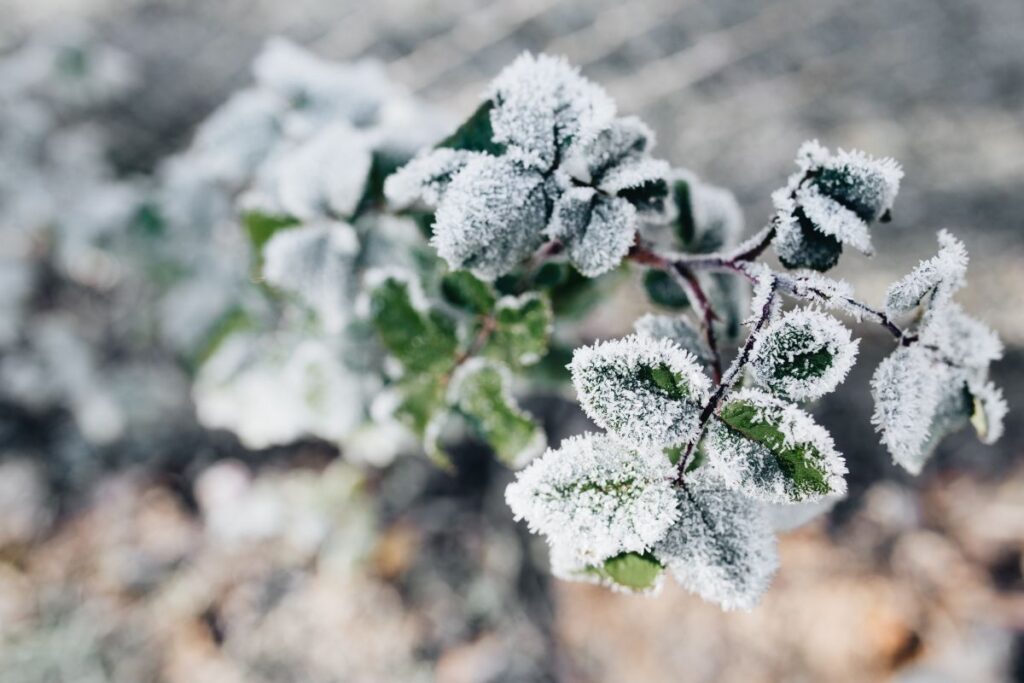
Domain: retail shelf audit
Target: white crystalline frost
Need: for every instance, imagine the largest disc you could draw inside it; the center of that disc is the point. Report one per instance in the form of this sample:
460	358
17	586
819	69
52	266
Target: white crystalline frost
541	102
567	566
597	230
491	217
755	470
942	274
721	548
316	262
788	354
595	498
617	383
832	218
676	328
426	177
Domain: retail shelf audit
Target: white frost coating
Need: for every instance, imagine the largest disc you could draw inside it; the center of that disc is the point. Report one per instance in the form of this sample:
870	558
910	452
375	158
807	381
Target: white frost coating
565	565
273	391
589	159
676	328
721	548
615	387
325	175
990	410
942	274
764	288
781	358
717	217
960	340
491	217
597	230
316	262
826	292
541	103
908	388
751	468
595	498
832	218
426	177
633	173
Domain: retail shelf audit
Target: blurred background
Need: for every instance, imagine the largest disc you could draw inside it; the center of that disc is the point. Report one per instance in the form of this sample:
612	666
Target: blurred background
170	552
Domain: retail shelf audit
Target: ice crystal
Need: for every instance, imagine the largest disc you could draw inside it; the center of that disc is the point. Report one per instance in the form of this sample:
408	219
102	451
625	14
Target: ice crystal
803	355
771	451
594	497
721	548
316	262
830	202
646	392
426	177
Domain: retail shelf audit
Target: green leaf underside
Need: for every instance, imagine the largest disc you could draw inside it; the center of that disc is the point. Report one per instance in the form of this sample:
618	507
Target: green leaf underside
805	365
667	382
462	290
650	196
421	341
835	183
551	274
798	462
684	225
483	402
664	291
381	166
261	227
521	334
633	570
476	133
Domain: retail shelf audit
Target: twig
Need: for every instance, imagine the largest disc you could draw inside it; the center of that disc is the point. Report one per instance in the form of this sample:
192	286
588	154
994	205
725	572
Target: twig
691	285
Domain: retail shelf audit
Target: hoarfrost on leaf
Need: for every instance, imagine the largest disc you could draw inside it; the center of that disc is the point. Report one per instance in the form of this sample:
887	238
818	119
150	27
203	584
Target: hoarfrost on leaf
597	230
721	548
942	275
676	328
646	392
803	355
594	497
771	451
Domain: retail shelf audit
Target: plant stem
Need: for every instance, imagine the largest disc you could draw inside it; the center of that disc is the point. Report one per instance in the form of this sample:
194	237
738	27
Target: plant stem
691	285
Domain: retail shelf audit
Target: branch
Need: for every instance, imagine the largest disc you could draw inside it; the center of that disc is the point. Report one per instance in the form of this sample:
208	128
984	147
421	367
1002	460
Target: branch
691	285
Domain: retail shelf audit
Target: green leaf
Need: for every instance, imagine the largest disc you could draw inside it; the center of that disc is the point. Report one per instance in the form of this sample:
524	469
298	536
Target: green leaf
464	291
423	341
476	133
261	227
551	275
635	571
479	392
817	250
684	225
664	291
383	164
799	463
671	385
522	330
649	196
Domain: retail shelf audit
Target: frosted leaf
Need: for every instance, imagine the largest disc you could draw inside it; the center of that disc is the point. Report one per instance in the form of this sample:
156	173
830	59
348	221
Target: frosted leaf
829	203
426	177
325	176
676	328
721	548
958	338
803	355
275	390
236	137
315	262
647	392
597	230
783	517
594	497
988	411
771	451
491	217
825	292
541	104
479	389
909	387
707	218
641	181
942	275
832	218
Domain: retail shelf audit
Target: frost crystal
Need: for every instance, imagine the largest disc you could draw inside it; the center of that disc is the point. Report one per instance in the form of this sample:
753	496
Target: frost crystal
647	392
426	177
803	355
771	451
829	203
675	328
315	262
942	275
594	497
721	548
491	217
